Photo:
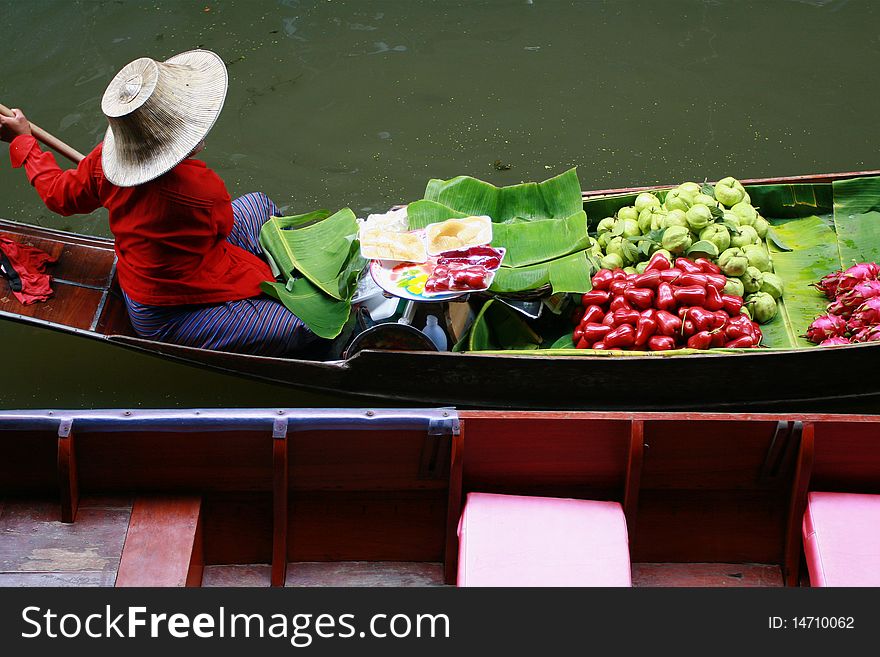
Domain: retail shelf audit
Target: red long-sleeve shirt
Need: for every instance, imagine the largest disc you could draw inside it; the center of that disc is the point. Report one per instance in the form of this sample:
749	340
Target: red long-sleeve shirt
170	233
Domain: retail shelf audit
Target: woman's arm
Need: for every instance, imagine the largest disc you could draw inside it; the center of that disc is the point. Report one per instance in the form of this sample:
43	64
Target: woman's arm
73	191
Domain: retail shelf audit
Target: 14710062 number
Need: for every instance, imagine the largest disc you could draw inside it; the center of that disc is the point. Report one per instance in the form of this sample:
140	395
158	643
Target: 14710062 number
811	622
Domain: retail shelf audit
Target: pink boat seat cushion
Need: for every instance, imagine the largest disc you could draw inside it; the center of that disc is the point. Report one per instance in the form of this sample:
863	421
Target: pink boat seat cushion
512	540
842	539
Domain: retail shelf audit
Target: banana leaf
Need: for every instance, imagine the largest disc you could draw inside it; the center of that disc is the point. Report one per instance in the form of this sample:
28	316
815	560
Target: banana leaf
814	253
320	252
275	248
555	198
421	213
498	327
792	201
531	242
570	273
323	314
857	220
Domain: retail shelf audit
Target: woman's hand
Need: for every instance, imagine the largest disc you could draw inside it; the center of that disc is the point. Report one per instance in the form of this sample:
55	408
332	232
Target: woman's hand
13	126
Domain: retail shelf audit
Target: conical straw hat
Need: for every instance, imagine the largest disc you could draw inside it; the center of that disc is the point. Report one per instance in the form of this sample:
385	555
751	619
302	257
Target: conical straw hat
158	113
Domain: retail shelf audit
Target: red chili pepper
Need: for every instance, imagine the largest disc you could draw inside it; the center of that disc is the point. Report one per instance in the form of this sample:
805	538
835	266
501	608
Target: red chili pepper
596	298
667	323
689	278
707	266
577	334
582	344
661	343
639	297
623	336
645	328
741	342
701	318
599	345
602	279
688	328
665	300
617	287
650	280
713	299
689	296
716	280
595	332
700	340
620	303
658	262
688	266
718	338
630	317
732	304
592	314
670	275
609	317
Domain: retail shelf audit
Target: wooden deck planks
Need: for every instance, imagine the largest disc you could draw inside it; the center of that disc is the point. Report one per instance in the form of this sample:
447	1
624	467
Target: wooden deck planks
727	575
38	550
251	575
365	574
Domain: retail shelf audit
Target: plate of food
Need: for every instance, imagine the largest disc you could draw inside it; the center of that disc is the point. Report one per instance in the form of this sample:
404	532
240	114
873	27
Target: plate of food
441	277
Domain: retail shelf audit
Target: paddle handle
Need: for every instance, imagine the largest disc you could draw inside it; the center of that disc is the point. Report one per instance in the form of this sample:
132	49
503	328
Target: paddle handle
50	140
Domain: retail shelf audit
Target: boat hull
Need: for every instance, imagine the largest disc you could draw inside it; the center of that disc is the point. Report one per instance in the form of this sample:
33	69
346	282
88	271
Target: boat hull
842	379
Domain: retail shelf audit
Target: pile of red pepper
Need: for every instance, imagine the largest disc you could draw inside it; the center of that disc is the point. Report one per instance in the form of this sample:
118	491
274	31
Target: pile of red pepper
666	307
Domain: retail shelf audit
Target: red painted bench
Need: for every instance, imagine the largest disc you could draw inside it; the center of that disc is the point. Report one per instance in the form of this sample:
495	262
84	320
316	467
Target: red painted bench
842	539
512	540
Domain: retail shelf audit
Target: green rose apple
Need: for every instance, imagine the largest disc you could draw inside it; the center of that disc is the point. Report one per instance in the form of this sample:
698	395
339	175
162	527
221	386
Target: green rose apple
674	218
729	191
717	234
746	235
628	213
698	217
646	200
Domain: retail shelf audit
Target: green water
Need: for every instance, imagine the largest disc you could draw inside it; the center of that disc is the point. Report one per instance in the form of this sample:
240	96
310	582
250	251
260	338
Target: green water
358	103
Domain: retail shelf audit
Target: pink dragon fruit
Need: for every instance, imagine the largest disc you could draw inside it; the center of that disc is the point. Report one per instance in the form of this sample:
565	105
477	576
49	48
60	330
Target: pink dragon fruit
824	327
867	334
864	271
829	284
839	282
846	303
830	342
868	314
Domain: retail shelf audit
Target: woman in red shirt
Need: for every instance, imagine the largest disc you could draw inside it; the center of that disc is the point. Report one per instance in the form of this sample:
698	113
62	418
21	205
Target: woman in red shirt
189	260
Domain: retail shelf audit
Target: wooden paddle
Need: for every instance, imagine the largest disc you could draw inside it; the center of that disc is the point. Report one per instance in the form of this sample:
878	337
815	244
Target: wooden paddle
51	141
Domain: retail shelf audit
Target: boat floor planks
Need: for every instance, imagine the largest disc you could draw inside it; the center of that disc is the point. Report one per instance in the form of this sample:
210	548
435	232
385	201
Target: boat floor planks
723	575
39	550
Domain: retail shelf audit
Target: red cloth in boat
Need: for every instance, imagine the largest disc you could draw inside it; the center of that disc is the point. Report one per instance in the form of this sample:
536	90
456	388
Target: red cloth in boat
170	232
29	270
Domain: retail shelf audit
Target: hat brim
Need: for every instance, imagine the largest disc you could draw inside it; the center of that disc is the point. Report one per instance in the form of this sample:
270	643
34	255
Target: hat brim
197	104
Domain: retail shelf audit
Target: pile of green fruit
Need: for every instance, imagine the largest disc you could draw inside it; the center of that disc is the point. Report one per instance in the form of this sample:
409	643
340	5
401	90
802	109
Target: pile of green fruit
697	221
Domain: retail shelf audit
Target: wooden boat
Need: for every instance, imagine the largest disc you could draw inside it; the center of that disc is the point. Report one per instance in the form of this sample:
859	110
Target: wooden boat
324	496
88	304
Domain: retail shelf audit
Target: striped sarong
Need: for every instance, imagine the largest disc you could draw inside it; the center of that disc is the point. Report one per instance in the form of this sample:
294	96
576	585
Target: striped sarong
258	325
